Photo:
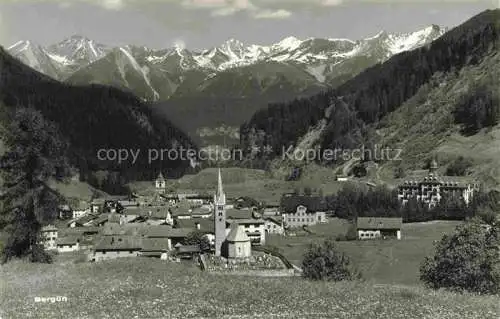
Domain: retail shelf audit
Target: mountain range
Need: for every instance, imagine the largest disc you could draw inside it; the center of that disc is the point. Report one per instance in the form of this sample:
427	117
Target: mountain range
92	118
438	101
225	84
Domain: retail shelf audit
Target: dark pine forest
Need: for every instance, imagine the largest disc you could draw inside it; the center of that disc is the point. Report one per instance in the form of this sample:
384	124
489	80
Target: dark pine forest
92	117
360	103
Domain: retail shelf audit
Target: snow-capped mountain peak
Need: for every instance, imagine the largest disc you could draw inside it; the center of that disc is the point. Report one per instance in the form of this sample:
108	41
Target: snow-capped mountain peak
318	56
288	43
79	49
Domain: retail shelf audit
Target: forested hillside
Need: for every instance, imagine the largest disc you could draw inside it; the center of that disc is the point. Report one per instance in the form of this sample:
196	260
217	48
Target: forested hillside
354	110
92	118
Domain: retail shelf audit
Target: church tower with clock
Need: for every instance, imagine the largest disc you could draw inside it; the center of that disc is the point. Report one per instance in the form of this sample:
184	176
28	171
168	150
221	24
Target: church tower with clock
219	216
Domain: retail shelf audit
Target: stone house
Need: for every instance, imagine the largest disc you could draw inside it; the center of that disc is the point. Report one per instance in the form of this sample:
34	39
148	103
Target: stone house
65	212
253	228
81	209
274	225
299	211
379	227
49	236
155	247
173	235
160	184
97	205
189	211
158	215
68	244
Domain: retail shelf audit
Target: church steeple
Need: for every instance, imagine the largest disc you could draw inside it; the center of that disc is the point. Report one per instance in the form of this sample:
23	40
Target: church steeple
220	195
219	216
433	167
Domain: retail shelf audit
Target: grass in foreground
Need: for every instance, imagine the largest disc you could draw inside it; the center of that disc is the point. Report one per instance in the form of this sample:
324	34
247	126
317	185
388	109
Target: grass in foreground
143	288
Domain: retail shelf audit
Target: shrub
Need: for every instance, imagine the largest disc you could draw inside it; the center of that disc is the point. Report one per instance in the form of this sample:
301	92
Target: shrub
458	167
359	170
477	109
399	172
466	260
324	262
198	238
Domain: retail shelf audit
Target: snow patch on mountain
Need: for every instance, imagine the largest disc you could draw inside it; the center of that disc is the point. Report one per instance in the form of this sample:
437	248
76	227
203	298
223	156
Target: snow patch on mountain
144	71
317	71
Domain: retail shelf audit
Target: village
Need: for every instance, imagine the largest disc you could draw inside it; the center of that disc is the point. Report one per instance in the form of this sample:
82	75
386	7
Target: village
163	225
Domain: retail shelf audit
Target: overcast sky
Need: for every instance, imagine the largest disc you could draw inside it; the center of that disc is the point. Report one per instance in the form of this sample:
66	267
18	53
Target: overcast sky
205	23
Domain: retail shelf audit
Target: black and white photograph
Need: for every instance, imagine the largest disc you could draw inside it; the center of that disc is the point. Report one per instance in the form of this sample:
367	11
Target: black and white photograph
241	159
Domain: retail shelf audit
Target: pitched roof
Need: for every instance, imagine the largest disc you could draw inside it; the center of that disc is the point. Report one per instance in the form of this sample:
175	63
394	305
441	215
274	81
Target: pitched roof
110	229
185	210
207	225
98	201
166	231
156	212
49	228
119	243
101	219
154	244
237	234
67	240
188	248
84	219
246	221
275	219
379	222
233	213
128	203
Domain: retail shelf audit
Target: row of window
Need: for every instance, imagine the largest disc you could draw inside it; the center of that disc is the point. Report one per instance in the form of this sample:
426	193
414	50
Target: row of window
366	235
304	220
117	252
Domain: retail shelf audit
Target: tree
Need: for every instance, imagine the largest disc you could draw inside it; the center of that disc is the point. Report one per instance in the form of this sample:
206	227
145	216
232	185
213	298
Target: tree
198	238
324	262
465	260
307	191
458	167
35	154
359	170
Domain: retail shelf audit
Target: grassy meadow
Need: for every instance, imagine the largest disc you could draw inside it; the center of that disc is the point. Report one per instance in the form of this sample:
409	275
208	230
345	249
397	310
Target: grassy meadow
146	289
385	261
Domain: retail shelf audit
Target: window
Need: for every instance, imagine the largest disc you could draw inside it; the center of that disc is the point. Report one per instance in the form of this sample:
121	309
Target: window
131	251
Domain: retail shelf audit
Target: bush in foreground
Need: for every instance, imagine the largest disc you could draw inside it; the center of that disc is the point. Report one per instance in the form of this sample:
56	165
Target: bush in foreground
466	260
324	262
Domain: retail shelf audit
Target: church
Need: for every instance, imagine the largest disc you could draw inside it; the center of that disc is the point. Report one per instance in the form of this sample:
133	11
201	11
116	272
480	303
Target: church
230	242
